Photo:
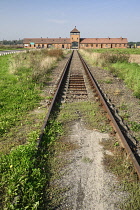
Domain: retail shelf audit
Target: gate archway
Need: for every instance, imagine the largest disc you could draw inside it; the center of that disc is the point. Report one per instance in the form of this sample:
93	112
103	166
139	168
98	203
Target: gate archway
74	45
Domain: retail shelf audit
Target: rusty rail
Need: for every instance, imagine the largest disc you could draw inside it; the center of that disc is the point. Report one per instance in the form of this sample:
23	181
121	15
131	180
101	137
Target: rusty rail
111	118
60	83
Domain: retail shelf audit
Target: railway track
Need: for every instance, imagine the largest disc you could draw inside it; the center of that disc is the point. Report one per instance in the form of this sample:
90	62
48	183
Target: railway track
77	84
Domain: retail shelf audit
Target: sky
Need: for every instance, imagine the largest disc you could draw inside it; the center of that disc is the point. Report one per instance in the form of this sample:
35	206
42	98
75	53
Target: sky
56	18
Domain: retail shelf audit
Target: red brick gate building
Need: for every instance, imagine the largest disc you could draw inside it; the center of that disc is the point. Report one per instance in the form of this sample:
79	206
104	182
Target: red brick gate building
75	42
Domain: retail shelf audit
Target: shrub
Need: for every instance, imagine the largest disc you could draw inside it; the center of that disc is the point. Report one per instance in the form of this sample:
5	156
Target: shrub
114	58
55	53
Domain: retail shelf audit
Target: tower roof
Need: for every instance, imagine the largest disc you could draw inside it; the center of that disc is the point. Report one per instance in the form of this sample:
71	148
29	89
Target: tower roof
75	30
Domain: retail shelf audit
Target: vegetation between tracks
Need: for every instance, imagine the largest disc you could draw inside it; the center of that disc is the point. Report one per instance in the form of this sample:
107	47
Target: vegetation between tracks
118	65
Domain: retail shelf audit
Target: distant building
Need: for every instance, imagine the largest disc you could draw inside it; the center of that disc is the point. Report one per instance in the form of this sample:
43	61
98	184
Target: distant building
75	42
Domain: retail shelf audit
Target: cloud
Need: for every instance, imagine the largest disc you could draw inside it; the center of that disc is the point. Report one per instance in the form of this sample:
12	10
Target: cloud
57	21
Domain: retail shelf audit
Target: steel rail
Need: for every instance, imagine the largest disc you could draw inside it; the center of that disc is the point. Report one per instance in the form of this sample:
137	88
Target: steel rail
60	83
111	118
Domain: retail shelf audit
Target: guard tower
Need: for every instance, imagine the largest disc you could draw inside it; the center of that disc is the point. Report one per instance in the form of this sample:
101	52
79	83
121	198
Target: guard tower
75	38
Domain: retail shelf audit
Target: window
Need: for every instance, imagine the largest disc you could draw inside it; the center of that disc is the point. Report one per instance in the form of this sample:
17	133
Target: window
96	45
91	45
106	45
74	33
86	45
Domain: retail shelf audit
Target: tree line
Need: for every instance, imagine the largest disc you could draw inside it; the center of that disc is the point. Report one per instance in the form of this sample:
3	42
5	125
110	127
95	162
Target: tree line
11	42
134	43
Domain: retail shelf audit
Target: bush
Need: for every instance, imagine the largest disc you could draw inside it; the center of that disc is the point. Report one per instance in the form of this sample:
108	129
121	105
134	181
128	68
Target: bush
55	53
114	58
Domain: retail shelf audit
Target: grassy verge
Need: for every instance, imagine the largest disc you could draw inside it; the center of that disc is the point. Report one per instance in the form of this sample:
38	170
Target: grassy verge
22	76
130	73
25	173
119	66
116	51
9	47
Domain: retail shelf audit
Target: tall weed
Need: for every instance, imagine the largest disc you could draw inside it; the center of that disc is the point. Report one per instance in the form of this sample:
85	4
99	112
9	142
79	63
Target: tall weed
114	58
21	77
25	172
130	73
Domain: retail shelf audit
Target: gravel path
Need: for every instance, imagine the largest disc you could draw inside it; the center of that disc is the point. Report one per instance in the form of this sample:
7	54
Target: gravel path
91	187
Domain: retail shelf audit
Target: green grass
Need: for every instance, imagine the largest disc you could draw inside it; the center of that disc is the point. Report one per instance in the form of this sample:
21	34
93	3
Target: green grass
26	171
6	49
108	81
18	95
130	73
22	77
111	50
134	126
